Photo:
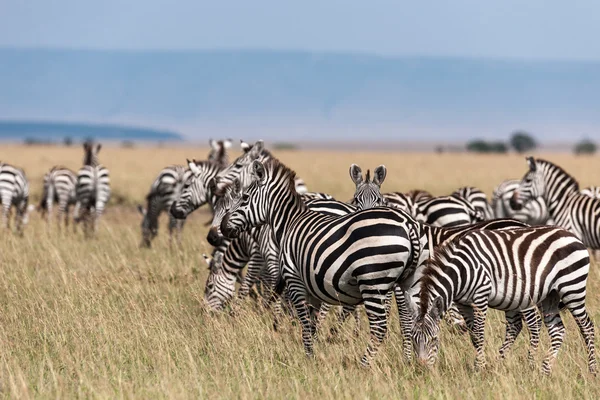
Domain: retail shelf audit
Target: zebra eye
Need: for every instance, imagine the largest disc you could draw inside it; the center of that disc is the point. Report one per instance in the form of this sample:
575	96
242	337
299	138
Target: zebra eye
238	165
245	197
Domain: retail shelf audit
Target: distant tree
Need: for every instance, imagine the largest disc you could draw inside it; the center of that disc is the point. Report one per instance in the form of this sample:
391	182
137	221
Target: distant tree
68	141
586	146
29	141
522	142
127	144
439	149
482	146
285	146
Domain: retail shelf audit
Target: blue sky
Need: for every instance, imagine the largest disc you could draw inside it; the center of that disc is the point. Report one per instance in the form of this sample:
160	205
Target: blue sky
531	29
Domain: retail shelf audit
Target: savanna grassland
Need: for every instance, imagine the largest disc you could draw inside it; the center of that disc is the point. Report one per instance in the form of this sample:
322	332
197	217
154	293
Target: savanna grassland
106	319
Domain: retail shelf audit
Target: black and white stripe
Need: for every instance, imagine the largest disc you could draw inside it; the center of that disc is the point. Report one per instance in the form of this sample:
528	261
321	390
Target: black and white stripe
14	191
535	212
569	208
478	199
513	270
447	211
165	190
59	187
92	190
345	260
197	190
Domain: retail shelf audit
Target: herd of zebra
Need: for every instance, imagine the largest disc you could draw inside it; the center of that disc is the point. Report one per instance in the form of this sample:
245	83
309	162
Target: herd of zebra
524	252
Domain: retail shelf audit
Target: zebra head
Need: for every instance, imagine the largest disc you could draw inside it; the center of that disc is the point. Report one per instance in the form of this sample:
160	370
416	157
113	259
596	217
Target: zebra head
218	151
368	192
238	169
149	227
250	210
531	187
229	197
90	153
425	333
195	192
220	284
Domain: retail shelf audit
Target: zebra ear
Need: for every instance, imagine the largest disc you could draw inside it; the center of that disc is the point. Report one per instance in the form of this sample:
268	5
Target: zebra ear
207	259
379	175
141	210
245	146
411	304
98	148
531	163
236	186
218	259
213	144
257	148
258	172
227	143
193	167
356	174
436	309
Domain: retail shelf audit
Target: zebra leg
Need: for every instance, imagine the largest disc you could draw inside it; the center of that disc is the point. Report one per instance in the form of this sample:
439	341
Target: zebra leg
6	204
343	315
475	320
406	322
255	266
62	209
76	215
514	324
49	203
534	325
172	228
300	303
586	328
556	330
375	309
455	320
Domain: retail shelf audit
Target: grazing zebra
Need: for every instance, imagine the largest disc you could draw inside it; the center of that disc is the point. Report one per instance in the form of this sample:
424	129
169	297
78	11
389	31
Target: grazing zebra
165	190
447	211
218	152
14	191
511	270
92	190
569	208
535	212
347	260
197	189
59	186
367	193
478	199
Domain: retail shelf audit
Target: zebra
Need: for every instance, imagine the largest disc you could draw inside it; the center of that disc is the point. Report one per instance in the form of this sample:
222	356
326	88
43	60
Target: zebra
356	258
477	198
59	186
368	193
14	191
447	211
535	212
419	195
569	208
92	190
197	190
511	270
218	152
165	189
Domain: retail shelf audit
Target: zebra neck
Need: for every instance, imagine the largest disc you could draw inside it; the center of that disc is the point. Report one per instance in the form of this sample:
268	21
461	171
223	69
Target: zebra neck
283	205
558	192
430	289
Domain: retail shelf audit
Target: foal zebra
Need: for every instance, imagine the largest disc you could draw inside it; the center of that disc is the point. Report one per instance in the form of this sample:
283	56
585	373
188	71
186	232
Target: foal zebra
569	208
511	270
92	190
59	186
535	212
356	258
165	190
14	191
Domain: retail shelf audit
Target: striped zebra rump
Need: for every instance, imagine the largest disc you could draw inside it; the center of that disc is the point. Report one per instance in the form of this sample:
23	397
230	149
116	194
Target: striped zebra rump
60	187
92	194
478	200
14	191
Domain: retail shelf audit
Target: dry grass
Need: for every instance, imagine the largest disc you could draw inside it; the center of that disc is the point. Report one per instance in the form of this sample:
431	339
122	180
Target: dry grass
105	319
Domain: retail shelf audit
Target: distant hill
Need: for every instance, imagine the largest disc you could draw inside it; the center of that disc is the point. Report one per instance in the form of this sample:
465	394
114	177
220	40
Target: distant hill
302	95
55	131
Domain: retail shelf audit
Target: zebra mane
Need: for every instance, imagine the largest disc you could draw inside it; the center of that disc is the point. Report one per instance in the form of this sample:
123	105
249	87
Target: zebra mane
550	166
276	167
435	263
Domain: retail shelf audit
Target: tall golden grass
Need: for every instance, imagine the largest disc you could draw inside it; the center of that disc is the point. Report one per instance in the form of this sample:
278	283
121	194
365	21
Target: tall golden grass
105	319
